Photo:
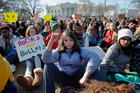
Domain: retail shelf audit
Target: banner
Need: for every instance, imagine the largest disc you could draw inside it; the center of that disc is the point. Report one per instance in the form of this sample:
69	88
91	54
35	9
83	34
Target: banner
31	46
47	17
97	50
10	17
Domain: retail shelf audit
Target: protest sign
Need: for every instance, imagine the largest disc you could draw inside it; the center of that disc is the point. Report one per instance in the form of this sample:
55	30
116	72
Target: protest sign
77	16
10	17
121	16
47	17
62	17
30	46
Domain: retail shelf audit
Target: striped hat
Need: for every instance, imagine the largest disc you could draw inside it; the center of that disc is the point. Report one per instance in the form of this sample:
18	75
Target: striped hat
54	25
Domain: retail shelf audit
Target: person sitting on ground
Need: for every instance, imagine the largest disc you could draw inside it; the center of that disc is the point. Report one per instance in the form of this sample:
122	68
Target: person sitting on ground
27	80
93	36
111	35
7	44
80	35
55	28
135	62
118	55
75	65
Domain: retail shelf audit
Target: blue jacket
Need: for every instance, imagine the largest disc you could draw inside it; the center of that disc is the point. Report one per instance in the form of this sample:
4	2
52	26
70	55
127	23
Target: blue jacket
94	39
70	63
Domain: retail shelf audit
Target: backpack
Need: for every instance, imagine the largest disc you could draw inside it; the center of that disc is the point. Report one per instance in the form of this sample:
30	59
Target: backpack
130	77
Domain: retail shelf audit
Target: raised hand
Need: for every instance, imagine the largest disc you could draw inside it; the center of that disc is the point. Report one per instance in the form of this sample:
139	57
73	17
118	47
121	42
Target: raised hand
53	39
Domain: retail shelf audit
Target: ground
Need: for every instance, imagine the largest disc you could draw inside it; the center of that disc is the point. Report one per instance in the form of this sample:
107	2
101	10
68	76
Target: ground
20	69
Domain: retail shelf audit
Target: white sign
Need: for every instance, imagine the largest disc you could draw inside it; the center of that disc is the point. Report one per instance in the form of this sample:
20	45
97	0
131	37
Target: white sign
97	50
62	17
31	46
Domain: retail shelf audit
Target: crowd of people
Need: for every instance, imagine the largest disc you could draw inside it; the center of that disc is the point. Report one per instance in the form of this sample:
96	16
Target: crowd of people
65	61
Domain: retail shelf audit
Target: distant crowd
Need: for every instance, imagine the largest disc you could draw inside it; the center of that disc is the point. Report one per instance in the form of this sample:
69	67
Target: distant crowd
65	61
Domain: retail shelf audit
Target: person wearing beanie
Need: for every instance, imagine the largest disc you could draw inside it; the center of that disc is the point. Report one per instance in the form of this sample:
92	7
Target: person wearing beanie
118	55
55	28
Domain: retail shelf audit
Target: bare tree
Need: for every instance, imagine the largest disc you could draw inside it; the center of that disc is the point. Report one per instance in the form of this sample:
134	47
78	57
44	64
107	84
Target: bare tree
85	9
32	6
3	3
136	3
24	8
99	10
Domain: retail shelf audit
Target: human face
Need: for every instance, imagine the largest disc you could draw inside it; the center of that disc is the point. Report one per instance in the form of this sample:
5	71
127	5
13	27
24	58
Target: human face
68	42
132	25
57	30
112	27
32	32
39	28
79	30
5	33
125	41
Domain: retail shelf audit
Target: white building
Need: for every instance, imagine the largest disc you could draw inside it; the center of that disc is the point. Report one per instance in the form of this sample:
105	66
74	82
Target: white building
132	13
66	9
110	11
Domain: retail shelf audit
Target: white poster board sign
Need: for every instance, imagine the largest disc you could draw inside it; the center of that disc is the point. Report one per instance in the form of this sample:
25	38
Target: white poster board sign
62	17
31	46
97	50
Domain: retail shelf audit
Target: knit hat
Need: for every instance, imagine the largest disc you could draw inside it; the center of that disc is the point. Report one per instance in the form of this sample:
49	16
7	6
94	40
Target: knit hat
54	25
125	32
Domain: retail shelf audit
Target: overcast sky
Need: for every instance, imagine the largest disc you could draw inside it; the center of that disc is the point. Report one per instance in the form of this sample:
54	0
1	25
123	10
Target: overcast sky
121	3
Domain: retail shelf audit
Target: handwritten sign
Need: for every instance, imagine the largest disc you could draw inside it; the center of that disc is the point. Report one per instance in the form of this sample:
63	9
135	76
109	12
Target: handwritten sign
10	17
47	17
31	46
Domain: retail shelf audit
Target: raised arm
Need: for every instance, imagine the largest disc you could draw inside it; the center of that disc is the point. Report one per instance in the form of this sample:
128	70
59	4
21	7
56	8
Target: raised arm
48	56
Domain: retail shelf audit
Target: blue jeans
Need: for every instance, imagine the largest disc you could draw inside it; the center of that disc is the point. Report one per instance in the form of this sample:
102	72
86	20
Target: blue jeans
30	65
53	75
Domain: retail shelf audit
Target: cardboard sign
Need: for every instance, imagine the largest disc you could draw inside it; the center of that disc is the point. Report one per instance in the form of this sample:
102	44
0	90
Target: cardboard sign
10	17
121	16
77	16
97	50
31	46
47	17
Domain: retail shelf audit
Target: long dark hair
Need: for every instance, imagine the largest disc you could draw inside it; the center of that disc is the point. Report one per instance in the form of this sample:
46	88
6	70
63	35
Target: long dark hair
125	50
76	46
